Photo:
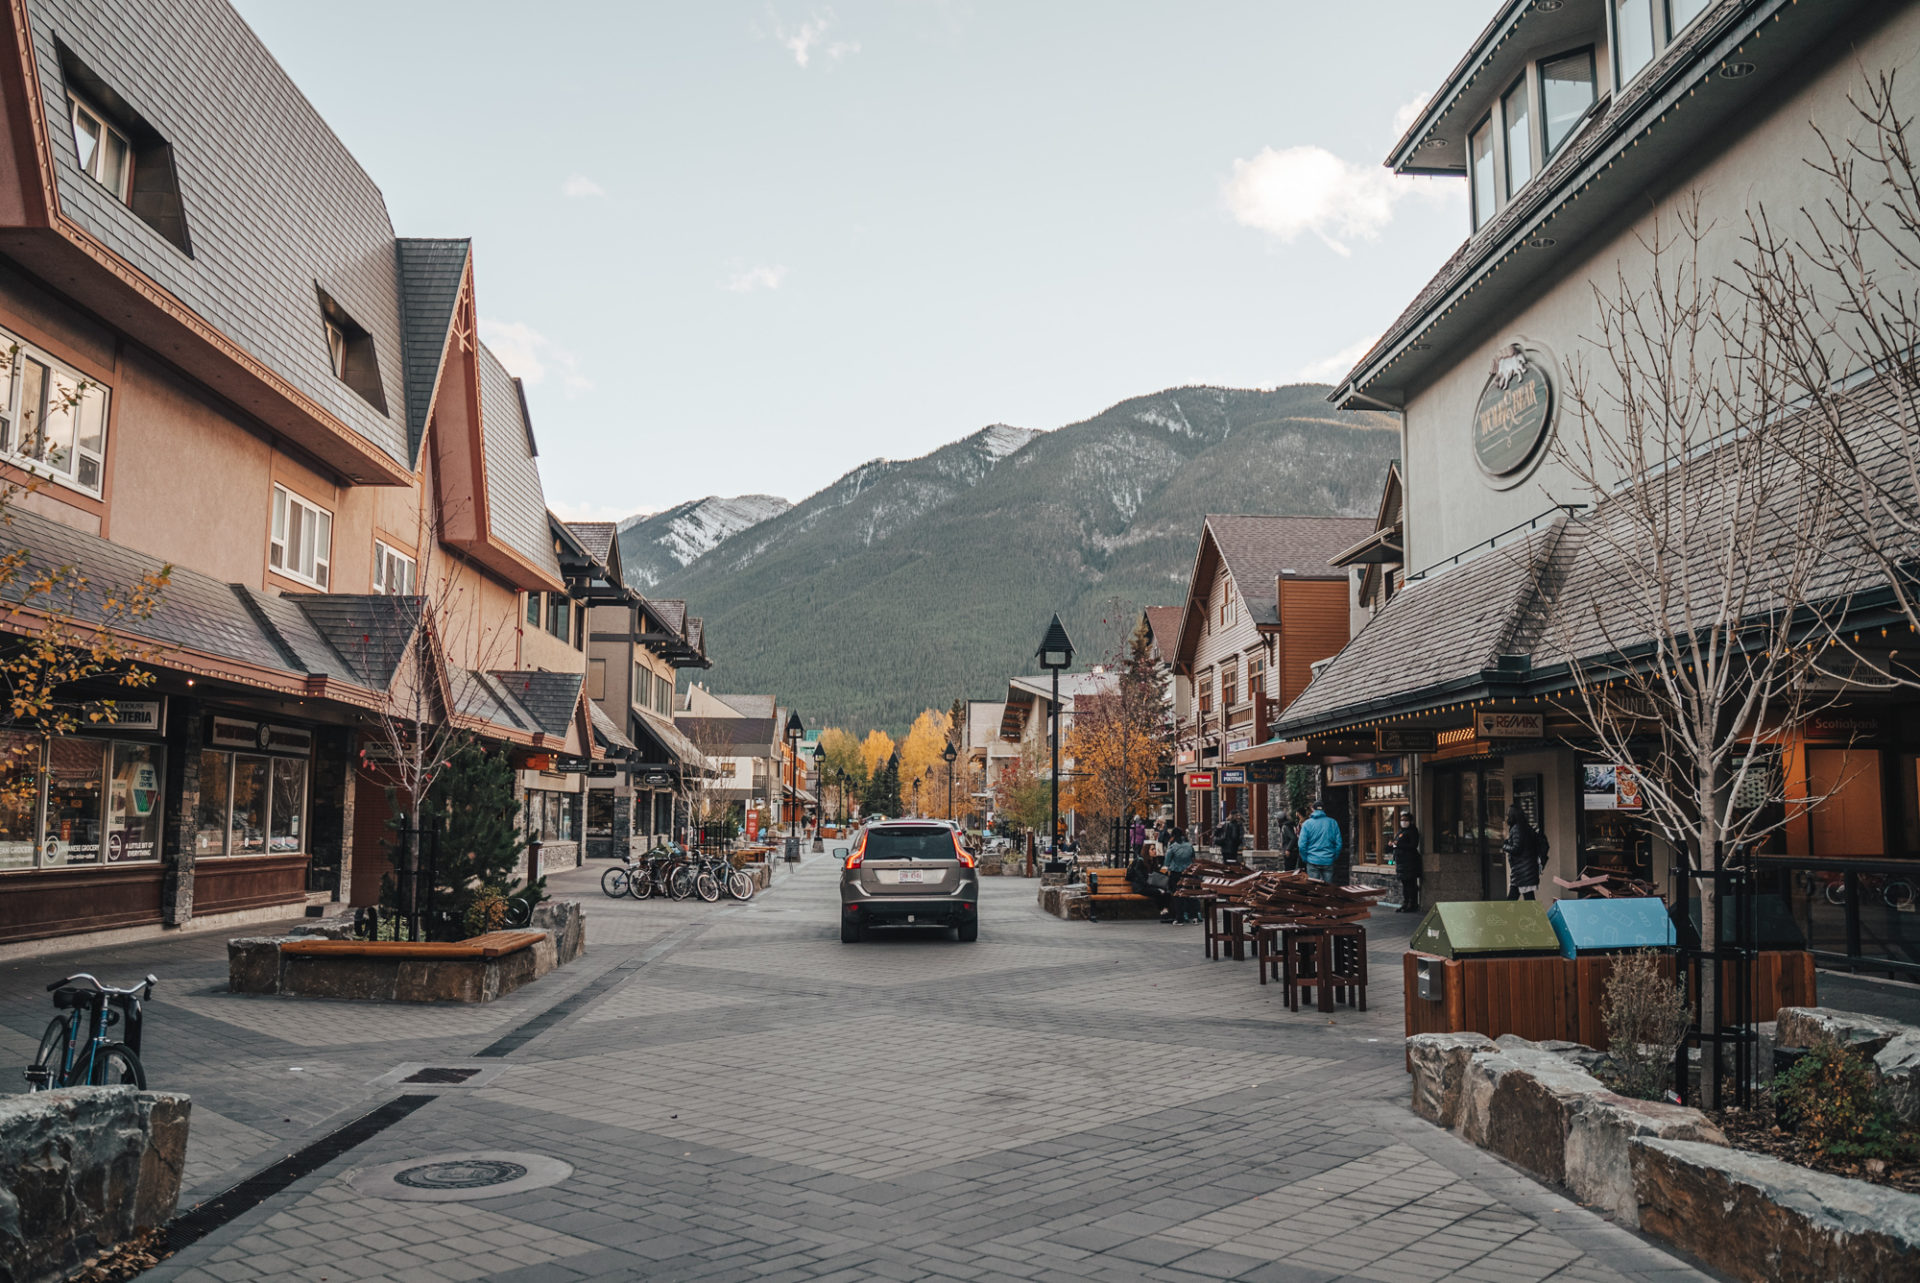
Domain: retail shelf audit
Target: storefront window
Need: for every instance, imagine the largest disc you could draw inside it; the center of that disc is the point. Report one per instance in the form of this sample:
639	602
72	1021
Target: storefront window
133	805
19	798
289	804
210	815
249	806
74	776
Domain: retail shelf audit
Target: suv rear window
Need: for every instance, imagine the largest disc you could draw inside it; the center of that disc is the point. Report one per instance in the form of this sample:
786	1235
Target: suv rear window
910	844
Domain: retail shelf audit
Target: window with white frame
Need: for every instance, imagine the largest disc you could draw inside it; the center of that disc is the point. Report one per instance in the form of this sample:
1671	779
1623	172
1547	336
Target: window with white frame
53	419
1531	122
105	153
302	543
392	571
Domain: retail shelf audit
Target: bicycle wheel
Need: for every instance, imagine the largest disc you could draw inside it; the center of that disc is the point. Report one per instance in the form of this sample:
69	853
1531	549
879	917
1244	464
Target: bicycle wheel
1897	893
640	885
51	1059
680	881
706	886
741	885
613	883
1837	891
519	912
116	1066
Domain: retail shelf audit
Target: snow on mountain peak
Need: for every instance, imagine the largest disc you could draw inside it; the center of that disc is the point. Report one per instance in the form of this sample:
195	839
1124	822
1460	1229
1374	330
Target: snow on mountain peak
1001	440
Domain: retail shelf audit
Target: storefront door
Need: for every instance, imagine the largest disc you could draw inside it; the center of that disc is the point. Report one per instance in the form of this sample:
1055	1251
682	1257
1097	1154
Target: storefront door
1469	824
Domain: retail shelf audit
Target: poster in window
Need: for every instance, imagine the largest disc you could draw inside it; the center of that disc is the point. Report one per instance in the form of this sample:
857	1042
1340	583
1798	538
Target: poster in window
1609	787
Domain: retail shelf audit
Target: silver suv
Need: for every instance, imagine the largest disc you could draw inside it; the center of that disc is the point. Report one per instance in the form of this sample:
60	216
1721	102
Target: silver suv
909	873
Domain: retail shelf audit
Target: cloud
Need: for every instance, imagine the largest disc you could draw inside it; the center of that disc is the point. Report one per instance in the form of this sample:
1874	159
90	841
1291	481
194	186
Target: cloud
1408	113
579	187
745	280
533	356
1309	189
1329	368
808	39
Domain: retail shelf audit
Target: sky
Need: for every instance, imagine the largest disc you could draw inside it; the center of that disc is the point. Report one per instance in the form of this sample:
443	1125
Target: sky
738	248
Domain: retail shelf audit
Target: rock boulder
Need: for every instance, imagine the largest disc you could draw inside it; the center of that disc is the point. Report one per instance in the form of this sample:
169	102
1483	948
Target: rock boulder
1599	1162
1438	1063
1519	1102
82	1170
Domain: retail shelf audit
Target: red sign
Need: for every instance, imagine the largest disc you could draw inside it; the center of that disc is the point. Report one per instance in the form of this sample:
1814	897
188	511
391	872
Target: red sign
1200	780
753	826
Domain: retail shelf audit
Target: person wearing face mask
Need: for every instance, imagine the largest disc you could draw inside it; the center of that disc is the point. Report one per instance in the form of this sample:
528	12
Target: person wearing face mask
1406	863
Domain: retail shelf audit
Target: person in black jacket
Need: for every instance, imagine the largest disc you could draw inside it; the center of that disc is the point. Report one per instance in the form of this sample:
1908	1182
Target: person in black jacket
1229	837
1406	863
1522	850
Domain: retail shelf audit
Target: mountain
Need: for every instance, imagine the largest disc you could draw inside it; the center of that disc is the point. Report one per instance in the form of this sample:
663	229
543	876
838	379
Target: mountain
653	544
909	582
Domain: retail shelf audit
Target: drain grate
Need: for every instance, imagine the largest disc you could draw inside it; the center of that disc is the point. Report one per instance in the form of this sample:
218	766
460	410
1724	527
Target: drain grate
439	1074
472	1173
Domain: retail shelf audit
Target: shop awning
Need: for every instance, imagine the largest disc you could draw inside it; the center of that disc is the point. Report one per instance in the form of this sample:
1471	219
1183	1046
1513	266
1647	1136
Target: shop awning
1270	751
657	740
606	732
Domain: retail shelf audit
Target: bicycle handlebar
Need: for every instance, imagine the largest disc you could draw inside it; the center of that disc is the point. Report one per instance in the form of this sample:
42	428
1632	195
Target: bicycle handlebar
143	990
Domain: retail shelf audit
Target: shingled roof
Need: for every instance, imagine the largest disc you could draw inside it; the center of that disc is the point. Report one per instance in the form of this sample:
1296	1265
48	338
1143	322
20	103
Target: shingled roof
431	273
516	501
370	632
550	698
595	536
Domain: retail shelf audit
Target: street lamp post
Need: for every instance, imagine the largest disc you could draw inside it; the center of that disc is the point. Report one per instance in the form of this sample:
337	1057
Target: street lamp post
793	733
1055	653
948	755
819	802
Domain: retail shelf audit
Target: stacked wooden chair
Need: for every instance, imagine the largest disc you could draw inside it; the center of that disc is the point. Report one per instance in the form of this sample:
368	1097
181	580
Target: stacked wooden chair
1304	933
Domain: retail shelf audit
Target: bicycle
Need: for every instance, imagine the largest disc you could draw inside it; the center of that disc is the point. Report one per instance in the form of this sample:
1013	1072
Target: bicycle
665	870
61	1061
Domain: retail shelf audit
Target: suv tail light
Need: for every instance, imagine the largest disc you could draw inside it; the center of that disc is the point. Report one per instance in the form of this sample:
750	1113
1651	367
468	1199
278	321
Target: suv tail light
859	852
961	853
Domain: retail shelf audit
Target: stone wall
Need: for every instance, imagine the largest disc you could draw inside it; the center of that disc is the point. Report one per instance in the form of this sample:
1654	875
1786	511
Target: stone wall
82	1170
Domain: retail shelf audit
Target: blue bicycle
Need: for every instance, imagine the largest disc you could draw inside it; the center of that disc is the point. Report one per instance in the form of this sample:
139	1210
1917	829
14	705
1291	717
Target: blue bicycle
66	1060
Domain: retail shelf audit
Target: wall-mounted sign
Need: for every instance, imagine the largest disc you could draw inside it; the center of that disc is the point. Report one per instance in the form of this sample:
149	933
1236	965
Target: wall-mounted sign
1509	726
1184	757
1200	780
140	715
1234	746
1267	773
1379	768
1608	787
658	780
1515	413
1158	788
1236	775
234	732
1842	726
1396	740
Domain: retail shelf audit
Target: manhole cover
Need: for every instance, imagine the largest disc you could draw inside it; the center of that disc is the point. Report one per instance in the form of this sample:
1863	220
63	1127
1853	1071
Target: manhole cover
439	1075
472	1174
447	1178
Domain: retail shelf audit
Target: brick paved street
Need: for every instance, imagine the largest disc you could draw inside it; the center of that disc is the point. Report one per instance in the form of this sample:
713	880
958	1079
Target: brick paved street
740	1096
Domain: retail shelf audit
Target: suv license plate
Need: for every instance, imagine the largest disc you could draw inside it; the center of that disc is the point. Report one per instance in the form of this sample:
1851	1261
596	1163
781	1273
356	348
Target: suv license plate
913	875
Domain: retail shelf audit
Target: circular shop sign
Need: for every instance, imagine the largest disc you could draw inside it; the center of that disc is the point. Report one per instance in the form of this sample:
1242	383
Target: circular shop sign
449	1178
1514	416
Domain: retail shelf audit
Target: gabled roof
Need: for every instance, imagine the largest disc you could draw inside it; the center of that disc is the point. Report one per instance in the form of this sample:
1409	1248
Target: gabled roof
671	613
667	739
551	698
370	632
606	730
749	705
1163	622
597	537
731	736
432	273
1256	551
516	501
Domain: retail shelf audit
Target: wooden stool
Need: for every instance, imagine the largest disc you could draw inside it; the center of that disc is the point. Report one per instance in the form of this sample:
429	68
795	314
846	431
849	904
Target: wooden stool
1303	964
1232	931
1346	963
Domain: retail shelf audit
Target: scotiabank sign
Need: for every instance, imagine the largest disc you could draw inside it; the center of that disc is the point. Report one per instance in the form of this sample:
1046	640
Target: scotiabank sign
1200	780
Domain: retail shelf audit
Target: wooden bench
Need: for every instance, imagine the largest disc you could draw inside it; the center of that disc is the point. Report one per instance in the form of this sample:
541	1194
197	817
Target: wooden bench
1109	888
495	944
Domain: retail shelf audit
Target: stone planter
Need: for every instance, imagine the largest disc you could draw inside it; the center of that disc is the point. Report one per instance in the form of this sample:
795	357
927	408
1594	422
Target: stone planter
82	1170
1759	1219
1892	1048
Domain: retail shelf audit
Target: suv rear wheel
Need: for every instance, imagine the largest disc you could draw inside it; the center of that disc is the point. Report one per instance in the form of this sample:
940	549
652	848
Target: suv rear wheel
849	930
968	932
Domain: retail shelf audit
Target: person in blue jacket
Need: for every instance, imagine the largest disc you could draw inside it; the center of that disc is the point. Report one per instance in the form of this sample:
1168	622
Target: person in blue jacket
1320	844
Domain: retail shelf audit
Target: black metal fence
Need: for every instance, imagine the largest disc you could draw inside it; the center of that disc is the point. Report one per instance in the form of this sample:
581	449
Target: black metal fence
1857	915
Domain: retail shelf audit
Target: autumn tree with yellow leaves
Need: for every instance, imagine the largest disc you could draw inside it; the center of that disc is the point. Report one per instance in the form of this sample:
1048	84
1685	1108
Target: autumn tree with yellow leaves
1121	739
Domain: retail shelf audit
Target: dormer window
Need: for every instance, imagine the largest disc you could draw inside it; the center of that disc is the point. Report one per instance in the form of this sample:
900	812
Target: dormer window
1486	201
105	153
350	353
1633	37
1567	94
1531	123
1516	109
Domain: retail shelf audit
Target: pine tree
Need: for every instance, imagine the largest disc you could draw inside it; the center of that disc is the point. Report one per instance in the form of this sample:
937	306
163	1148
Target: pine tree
472	810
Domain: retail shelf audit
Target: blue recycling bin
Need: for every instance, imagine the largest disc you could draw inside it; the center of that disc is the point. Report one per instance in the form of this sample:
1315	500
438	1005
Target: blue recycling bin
1608	926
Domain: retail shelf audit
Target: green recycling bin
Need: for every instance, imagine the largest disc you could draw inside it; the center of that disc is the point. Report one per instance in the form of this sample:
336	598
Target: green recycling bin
1487	966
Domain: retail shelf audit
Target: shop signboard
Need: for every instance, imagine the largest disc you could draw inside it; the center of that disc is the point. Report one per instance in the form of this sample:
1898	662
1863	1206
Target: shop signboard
1606	786
1514	413
1200	780
1266	773
658	780
140	715
234	732
753	826
1367	772
1509	726
1234	775
1234	746
1390	739
1183	757
1158	788
1842	727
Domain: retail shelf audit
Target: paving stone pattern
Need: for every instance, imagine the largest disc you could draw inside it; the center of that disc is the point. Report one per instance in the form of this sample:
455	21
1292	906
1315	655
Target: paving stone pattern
756	1101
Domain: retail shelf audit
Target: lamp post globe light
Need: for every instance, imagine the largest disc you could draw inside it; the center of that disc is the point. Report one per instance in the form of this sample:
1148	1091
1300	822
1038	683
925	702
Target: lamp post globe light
1055	653
820	801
